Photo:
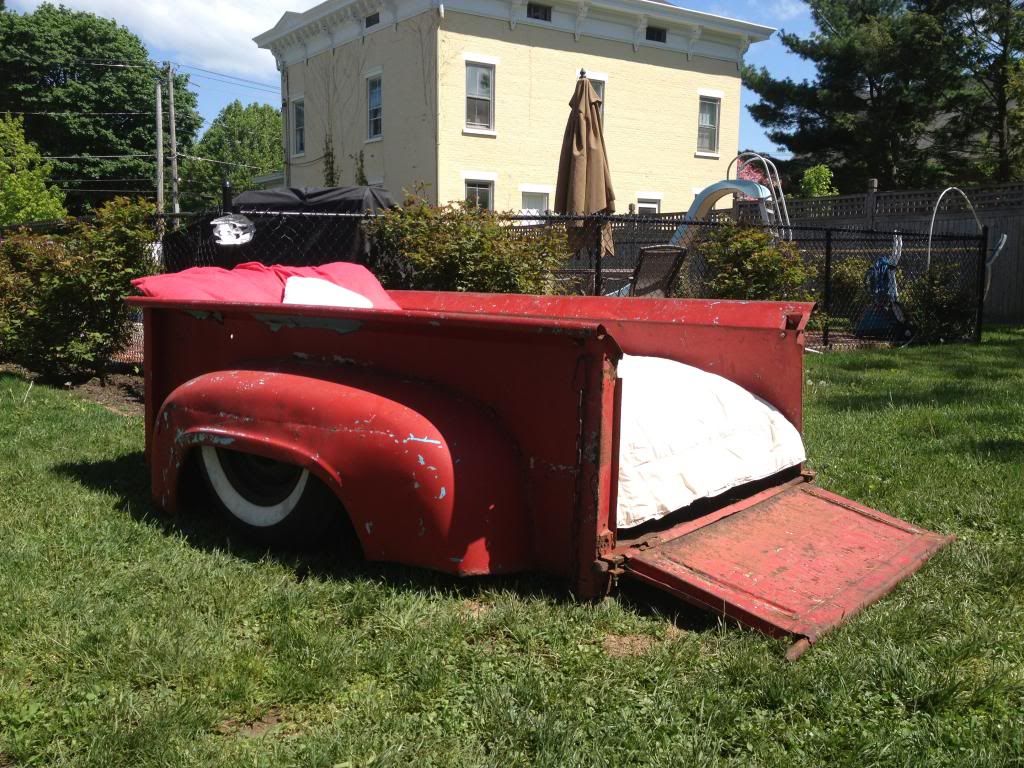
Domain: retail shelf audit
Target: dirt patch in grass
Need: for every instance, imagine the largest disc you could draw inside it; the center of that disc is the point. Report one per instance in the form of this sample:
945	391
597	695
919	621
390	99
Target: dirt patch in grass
6	761
619	646
122	393
474	609
252	728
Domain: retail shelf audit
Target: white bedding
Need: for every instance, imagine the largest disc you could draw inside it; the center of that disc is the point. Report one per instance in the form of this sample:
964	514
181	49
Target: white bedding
687	434
315	291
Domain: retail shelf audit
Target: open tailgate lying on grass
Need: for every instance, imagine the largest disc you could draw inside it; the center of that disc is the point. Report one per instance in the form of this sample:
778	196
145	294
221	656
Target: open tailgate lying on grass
792	560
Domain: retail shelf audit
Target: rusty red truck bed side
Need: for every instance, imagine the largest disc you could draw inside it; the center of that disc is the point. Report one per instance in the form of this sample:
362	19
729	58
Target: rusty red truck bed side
496	445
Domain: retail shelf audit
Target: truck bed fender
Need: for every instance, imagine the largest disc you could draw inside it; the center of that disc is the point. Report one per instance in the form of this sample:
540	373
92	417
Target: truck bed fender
427	477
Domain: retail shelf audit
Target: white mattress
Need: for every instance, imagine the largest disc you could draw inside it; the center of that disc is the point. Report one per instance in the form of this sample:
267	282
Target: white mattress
687	434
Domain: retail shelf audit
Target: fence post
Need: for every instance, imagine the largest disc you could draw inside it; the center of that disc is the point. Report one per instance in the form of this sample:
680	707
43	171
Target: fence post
869	202
600	254
225	196
982	257
828	287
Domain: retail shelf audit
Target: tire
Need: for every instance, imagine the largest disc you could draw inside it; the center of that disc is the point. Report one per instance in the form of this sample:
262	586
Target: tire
266	500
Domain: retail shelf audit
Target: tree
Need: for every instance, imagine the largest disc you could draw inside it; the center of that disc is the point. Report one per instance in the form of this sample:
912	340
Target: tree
881	70
978	131
25	194
246	142
86	88
817	182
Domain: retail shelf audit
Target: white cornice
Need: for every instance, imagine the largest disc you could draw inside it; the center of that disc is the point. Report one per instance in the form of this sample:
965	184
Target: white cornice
297	36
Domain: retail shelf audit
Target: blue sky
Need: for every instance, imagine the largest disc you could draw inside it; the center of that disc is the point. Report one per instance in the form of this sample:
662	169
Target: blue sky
216	35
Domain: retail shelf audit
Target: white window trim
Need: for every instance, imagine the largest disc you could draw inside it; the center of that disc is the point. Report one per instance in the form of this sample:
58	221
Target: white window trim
376	72
492	182
646	203
373	72
718	126
291	119
650	196
479	176
711	93
540	189
601	77
481	58
472	130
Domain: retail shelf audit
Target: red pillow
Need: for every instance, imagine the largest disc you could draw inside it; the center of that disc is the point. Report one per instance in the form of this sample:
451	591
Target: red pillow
254	283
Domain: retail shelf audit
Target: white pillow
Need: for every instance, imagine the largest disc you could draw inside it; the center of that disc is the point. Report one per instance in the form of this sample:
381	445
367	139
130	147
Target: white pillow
687	434
322	293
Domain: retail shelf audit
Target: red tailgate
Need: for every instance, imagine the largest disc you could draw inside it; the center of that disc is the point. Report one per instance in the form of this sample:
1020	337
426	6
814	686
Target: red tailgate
795	560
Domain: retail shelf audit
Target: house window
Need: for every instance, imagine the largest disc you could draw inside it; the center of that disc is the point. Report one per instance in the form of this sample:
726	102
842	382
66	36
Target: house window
480	194
374	108
657	34
599	87
480	96
538	12
648	207
535	202
707	125
372	20
298	127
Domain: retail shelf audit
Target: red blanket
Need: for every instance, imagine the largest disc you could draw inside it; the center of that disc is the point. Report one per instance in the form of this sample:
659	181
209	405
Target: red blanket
254	283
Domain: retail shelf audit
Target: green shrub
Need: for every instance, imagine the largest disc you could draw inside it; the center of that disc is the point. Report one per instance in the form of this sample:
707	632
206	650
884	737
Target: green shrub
61	295
849	296
463	248
749	263
941	304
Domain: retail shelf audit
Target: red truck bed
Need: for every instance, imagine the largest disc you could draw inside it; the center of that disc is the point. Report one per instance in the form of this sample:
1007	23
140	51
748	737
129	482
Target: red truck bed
527	476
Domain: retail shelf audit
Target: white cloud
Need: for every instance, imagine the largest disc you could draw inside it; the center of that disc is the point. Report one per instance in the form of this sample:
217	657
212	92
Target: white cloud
786	10
213	34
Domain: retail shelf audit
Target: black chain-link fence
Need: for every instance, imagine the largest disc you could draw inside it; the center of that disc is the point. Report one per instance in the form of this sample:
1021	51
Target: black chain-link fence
870	287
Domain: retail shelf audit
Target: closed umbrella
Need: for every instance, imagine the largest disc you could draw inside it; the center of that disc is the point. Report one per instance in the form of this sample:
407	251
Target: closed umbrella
584	183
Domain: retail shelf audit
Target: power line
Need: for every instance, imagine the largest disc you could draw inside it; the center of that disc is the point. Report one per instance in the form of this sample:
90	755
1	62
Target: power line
118	66
91	157
224	74
102	181
264	88
218	162
146	193
70	112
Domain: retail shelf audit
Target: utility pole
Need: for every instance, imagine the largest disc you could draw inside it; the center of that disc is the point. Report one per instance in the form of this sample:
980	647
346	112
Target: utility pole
159	148
175	206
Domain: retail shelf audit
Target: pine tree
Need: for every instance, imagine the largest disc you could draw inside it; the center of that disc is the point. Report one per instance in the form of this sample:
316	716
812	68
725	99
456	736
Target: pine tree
979	133
880	70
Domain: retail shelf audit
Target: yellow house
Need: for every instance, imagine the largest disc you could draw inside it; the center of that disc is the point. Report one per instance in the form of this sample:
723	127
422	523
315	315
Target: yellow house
468	99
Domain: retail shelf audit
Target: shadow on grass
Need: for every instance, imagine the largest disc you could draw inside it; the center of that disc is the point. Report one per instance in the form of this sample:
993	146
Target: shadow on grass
1005	450
952	379
205	528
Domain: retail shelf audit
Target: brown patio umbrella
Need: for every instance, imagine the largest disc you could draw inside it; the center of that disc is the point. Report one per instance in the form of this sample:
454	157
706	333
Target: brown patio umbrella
584	184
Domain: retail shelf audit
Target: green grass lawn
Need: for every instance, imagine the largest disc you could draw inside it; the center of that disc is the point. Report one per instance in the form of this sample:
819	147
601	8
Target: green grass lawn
127	639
